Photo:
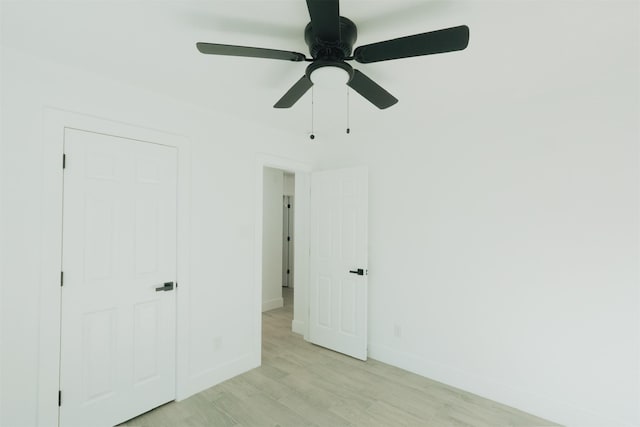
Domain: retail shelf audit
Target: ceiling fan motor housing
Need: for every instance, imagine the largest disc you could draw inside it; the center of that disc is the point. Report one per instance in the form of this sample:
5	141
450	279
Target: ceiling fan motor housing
332	49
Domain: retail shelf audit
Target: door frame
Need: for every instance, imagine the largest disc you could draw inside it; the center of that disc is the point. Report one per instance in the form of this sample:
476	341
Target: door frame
302	172
50	295
287	231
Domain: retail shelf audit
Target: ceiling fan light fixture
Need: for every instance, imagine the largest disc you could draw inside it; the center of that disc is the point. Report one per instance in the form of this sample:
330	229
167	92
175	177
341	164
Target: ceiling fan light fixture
329	76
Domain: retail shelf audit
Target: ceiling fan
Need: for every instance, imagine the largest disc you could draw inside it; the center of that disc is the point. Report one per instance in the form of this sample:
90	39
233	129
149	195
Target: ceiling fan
331	37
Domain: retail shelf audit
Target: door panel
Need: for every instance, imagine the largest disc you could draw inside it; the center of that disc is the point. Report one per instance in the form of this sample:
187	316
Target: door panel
338	298
348	307
119	240
98	346
145	341
324	302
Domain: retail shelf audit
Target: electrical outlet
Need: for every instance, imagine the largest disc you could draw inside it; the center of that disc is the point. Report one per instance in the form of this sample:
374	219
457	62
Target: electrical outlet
217	344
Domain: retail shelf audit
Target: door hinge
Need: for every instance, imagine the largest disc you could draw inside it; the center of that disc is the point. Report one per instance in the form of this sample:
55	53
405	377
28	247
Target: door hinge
64	161
59	398
62	278
288	238
288	271
289	206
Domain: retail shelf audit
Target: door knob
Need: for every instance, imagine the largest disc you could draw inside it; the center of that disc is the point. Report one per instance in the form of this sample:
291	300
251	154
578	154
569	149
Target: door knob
168	286
359	272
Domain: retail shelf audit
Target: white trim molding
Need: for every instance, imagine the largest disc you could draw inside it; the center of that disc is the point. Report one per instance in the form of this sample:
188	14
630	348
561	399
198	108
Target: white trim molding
272	304
49	305
525	400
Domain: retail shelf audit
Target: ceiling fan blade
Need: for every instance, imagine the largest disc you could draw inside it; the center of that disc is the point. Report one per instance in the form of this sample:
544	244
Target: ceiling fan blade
371	90
325	19
441	41
295	93
251	52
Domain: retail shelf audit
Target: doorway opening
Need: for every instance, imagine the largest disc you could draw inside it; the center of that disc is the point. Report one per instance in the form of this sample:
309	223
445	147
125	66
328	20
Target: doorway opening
277	178
278	240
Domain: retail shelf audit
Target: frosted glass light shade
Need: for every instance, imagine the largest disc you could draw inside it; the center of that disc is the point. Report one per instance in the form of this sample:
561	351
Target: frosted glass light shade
329	77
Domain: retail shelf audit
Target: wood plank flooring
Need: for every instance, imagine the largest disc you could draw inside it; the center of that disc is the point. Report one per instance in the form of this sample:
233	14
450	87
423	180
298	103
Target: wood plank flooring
300	384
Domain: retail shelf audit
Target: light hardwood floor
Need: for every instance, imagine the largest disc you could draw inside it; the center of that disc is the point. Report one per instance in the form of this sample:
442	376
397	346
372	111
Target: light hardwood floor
300	384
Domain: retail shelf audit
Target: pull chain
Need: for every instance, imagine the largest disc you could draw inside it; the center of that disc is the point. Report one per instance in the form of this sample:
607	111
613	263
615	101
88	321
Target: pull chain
312	136
348	128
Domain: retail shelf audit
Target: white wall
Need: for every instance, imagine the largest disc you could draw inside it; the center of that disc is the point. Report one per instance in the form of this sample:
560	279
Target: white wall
223	322
289	184
273	184
504	214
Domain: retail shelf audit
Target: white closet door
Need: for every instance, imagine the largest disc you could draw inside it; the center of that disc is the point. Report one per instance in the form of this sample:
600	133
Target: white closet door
119	246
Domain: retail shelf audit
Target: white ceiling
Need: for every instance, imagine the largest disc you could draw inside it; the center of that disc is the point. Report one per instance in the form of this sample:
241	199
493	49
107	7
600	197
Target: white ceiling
517	49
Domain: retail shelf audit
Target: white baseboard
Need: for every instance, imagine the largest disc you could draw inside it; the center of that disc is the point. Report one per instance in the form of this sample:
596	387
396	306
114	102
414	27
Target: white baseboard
272	304
297	326
218	374
533	403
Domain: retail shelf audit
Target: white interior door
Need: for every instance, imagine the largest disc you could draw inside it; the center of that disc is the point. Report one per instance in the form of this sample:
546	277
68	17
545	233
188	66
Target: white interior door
338	270
119	246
